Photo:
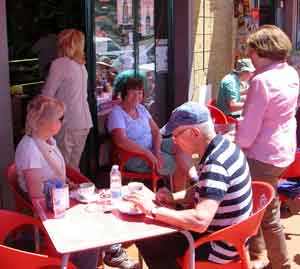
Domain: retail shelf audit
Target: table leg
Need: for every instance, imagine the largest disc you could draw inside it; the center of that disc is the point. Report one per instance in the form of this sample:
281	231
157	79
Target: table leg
191	249
64	261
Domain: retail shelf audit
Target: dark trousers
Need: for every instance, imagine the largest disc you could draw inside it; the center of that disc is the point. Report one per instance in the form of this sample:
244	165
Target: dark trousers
161	252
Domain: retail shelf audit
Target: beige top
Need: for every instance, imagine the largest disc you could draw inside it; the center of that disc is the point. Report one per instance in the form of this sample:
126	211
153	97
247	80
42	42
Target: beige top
67	81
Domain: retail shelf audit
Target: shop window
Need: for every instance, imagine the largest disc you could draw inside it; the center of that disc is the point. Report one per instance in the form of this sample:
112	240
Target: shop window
298	26
124	39
31	32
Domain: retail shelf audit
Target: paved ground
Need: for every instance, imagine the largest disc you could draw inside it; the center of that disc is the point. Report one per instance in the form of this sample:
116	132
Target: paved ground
292	230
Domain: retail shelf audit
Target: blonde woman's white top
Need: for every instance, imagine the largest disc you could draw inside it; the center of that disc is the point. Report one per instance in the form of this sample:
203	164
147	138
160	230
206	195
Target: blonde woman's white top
67	81
28	156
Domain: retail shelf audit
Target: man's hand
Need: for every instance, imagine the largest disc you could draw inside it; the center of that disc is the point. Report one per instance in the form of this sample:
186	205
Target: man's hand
152	158
143	202
165	198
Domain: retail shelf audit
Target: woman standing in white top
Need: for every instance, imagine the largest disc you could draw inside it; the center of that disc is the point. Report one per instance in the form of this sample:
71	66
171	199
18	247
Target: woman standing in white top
67	81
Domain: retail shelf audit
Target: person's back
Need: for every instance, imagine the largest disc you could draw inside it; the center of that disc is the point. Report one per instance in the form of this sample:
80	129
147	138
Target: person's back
72	90
233	88
276	139
225	176
229	90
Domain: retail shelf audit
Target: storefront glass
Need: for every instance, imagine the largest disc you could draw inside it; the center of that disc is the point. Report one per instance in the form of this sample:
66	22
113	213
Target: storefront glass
124	40
298	26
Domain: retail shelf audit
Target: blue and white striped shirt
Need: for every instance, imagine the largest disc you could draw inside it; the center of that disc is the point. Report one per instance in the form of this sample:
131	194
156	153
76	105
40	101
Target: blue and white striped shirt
224	176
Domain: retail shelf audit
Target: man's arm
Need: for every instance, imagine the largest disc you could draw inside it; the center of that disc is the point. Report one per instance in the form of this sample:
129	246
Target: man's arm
197	219
234	106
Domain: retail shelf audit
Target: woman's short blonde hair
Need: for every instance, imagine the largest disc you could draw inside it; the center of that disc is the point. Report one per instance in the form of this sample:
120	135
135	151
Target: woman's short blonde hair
39	109
271	42
71	44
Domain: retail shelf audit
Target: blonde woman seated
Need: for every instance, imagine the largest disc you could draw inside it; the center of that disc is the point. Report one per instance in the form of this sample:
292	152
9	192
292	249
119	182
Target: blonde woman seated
38	159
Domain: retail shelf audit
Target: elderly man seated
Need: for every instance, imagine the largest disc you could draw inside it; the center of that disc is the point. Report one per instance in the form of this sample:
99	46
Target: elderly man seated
222	195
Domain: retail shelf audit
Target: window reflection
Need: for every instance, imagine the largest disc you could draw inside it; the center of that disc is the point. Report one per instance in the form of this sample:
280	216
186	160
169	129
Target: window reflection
115	24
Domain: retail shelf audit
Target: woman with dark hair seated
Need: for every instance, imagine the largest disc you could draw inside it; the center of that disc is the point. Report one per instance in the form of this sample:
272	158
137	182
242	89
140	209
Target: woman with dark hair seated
133	129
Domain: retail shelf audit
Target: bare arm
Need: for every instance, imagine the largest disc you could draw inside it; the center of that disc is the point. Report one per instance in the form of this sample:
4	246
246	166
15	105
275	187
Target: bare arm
197	219
156	137
234	106
121	140
34	182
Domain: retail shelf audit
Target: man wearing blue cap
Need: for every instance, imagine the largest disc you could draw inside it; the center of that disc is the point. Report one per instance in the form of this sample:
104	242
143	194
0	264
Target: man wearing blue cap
220	197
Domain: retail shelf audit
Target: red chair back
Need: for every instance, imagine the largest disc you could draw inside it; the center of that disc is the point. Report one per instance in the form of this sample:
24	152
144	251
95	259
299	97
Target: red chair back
15	258
217	115
20	202
75	176
293	171
12	180
121	157
238	234
212	102
231	119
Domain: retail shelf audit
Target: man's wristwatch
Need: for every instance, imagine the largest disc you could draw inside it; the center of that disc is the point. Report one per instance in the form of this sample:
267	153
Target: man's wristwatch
153	212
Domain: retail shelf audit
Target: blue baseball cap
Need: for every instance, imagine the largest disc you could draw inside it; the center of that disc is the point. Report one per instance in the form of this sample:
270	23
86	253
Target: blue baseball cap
187	114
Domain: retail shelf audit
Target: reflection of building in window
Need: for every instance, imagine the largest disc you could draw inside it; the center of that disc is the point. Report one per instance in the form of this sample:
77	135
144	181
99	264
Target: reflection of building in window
125	17
147	17
148	22
298	26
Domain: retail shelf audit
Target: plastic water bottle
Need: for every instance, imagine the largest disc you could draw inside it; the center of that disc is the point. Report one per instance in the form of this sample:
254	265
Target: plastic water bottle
115	184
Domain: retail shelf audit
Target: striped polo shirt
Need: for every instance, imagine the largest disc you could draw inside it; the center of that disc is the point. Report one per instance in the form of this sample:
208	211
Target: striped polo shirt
224	176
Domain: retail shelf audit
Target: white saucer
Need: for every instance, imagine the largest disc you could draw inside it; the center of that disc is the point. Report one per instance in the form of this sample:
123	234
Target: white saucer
82	199
125	207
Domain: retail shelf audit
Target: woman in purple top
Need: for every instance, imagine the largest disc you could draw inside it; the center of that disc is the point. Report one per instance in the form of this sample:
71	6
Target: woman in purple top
267	133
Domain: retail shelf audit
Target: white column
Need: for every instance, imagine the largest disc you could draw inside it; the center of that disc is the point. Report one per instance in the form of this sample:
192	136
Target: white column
6	133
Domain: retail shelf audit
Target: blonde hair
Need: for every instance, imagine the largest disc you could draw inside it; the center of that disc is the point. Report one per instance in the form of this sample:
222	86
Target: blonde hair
71	44
39	109
271	42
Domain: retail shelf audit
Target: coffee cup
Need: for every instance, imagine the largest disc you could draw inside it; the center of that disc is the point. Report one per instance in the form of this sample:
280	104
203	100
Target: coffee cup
135	186
86	189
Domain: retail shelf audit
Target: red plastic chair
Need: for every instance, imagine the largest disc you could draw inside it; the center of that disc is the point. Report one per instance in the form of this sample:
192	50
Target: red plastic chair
15	258
24	206
21	203
231	119
238	234
212	102
292	172
12	180
121	157
217	115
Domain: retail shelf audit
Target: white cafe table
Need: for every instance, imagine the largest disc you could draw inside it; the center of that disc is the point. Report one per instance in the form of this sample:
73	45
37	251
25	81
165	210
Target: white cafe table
81	230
